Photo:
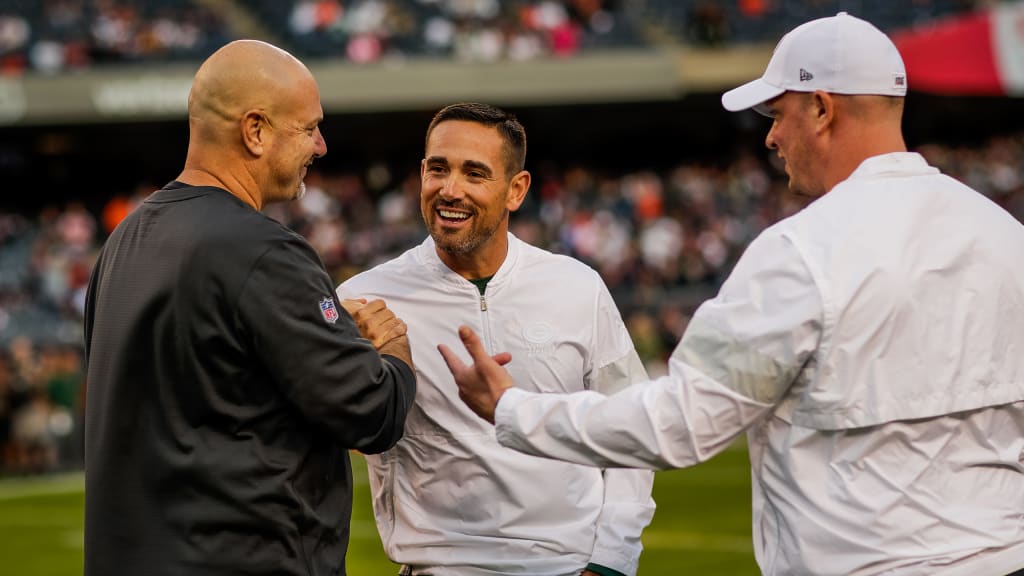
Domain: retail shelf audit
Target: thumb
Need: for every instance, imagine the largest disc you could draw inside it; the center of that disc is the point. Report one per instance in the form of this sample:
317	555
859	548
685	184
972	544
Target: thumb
352	304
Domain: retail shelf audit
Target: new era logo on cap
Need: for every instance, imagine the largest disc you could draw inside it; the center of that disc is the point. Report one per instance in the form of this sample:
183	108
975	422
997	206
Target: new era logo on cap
805	75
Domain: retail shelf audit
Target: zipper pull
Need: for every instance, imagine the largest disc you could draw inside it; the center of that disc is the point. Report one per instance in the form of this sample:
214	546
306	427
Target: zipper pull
483	303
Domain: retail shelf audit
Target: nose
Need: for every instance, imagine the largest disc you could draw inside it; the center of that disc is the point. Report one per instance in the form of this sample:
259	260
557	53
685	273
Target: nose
769	140
320	145
448	189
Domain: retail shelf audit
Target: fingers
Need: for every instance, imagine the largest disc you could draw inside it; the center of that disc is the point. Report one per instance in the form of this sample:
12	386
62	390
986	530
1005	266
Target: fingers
454	364
475	347
376	322
388	331
482	383
472	343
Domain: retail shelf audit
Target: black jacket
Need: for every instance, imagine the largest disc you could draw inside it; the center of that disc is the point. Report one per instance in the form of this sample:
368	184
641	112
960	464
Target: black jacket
225	387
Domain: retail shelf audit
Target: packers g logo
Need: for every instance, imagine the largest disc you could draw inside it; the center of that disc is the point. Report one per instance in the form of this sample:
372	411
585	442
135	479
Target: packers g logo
538	337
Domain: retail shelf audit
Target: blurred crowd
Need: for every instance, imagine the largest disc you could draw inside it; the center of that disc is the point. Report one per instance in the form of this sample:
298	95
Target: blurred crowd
54	36
715	23
466	30
663	240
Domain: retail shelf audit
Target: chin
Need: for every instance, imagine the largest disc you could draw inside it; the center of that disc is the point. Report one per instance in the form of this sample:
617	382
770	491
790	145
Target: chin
300	191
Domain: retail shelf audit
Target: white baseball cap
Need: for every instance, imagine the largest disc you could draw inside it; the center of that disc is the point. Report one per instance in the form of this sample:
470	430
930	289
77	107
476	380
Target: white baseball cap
840	54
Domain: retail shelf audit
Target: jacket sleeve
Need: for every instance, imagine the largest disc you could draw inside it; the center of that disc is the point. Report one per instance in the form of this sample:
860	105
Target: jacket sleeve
313	351
628	507
739	356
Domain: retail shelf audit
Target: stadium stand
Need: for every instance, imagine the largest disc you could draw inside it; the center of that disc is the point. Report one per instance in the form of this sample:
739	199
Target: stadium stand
62	35
478	30
714	23
56	36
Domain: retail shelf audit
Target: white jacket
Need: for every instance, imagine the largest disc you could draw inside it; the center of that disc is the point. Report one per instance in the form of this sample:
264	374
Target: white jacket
448	499
873	346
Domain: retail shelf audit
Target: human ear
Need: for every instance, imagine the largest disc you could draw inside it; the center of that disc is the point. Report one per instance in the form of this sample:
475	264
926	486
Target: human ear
517	189
255	131
823	106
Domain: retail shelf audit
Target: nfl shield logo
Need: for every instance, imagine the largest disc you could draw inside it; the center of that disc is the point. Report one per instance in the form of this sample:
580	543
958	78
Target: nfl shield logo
328	310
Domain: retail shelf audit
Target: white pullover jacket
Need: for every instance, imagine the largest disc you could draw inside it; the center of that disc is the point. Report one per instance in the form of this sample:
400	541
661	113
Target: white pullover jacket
873	346
448	499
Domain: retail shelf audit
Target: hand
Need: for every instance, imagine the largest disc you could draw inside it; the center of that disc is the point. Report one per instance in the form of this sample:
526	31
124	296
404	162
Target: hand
380	326
482	383
589	573
376	322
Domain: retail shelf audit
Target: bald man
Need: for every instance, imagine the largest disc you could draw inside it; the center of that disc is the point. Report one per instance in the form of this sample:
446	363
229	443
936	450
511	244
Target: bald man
226	383
872	346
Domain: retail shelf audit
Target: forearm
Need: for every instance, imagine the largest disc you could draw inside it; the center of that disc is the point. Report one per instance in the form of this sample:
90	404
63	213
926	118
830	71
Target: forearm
674	422
393	411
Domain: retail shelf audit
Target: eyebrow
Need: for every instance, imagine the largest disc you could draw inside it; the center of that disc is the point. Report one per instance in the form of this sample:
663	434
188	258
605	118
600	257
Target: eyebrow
467	165
475	165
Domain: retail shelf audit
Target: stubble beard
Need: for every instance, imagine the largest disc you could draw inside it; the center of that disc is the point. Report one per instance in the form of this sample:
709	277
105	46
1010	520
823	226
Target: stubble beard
452	243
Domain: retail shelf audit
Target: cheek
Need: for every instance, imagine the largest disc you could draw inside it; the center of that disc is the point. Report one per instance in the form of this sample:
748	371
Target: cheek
426	199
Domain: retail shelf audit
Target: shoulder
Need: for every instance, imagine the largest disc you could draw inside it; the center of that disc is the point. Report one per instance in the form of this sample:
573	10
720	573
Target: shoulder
218	216
538	259
405	268
539	269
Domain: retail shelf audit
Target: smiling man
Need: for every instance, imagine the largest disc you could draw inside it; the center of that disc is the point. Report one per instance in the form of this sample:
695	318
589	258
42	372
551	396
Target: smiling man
225	382
448	500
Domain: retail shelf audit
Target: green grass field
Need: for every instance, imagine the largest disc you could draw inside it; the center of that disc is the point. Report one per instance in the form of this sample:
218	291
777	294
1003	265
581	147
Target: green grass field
701	528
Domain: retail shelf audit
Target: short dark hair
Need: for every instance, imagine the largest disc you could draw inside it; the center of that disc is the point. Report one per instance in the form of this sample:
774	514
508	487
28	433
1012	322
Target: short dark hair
512	132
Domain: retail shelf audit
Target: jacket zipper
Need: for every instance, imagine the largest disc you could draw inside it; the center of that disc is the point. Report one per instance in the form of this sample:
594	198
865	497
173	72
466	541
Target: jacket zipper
485	324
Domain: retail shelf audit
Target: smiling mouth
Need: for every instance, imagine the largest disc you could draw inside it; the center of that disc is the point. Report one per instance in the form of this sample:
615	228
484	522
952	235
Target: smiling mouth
452	215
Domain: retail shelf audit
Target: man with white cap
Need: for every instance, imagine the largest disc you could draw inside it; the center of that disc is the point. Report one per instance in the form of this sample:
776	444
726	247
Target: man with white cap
872	346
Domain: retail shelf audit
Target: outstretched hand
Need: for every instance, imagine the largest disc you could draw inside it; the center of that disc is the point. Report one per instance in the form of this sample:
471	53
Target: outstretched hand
482	383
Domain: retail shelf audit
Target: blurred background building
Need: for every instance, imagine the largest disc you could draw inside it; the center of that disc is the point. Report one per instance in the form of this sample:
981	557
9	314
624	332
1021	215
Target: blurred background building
637	169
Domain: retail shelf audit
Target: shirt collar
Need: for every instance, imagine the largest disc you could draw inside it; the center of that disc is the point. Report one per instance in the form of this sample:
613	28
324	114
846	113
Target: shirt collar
428	254
904	163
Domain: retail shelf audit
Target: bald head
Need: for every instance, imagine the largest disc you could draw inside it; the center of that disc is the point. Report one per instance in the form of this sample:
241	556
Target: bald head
243	75
254	114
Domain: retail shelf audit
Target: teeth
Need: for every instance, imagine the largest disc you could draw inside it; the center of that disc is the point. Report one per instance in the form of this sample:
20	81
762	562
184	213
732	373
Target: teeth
454	215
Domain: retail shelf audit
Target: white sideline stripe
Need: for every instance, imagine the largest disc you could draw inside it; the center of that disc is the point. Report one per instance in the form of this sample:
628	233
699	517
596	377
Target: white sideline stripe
679	540
15	488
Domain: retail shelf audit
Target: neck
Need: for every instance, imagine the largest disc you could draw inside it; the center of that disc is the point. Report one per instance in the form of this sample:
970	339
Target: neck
243	188
483	262
856	150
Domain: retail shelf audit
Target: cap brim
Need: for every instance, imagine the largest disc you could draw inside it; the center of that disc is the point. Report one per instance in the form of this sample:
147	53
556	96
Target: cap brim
750	95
